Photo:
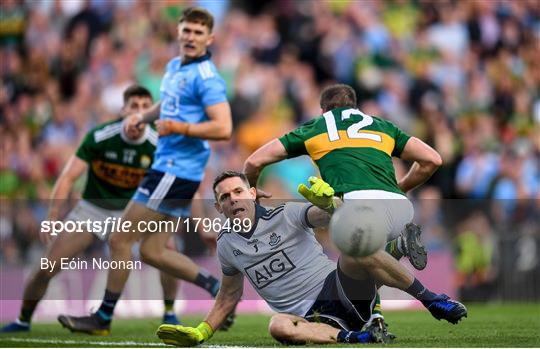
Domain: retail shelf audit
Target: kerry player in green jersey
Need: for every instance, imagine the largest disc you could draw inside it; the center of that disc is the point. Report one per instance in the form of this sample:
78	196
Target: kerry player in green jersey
353	152
115	163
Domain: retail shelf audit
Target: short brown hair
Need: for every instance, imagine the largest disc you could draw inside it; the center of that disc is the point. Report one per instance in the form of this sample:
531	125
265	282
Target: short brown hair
229	174
136	90
198	15
338	96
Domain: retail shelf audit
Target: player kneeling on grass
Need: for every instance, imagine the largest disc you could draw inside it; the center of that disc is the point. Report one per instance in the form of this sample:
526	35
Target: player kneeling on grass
317	300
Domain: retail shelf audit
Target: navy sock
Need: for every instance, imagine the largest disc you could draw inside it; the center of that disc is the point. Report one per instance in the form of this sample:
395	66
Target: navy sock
27	310
207	281
420	292
353	337
105	311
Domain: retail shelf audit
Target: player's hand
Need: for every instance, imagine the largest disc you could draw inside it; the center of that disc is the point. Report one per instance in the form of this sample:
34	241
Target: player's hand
320	194
166	127
133	122
209	238
182	336
261	194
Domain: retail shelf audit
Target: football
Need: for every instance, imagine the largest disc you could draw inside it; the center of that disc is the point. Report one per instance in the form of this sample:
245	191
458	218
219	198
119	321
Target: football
359	227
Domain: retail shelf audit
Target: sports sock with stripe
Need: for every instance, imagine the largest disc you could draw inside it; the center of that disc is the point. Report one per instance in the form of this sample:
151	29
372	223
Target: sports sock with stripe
205	280
420	292
393	247
169	306
105	312
377	306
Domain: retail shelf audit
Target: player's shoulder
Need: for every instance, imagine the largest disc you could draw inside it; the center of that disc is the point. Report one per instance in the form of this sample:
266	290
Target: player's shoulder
152	136
105	130
206	70
284	210
272	212
173	64
385	125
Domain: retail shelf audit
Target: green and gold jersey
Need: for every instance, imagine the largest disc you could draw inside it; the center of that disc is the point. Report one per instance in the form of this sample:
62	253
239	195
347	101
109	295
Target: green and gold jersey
352	150
116	164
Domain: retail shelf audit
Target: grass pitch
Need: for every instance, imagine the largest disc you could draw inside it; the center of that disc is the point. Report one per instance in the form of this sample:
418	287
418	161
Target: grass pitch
515	325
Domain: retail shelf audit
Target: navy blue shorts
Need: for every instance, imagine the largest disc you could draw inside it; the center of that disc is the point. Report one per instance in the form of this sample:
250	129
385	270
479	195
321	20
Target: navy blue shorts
165	193
344	302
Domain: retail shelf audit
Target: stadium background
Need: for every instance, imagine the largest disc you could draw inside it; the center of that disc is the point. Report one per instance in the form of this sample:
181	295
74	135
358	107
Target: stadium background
462	75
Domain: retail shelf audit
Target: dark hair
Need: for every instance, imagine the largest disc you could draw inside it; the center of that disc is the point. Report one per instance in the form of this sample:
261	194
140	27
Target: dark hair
136	90
229	174
337	96
198	15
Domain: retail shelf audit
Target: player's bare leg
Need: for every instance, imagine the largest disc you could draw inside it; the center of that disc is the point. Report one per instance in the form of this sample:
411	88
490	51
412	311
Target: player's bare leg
387	271
291	329
381	266
65	245
154	252
121	242
169	285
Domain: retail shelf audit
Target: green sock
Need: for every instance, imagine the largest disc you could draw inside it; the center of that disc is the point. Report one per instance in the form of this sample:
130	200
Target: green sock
393	249
169	306
377	306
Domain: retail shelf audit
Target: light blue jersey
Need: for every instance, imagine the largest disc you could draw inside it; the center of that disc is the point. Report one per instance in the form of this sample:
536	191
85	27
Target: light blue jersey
186	90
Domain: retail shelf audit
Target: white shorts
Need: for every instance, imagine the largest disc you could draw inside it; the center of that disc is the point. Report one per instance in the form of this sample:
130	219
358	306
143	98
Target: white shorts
85	210
398	209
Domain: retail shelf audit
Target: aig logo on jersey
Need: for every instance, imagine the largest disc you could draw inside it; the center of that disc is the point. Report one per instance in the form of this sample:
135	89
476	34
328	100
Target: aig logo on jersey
270	269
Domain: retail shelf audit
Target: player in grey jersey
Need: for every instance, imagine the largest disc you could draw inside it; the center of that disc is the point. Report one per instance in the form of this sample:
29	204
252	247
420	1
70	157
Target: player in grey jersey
317	301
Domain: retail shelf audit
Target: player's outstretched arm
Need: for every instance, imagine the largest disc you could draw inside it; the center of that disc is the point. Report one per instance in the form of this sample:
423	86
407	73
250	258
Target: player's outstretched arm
321	195
229	295
269	153
426	162
217	128
145	117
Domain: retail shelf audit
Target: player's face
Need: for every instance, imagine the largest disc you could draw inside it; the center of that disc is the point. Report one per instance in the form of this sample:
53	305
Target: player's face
235	199
136	104
194	38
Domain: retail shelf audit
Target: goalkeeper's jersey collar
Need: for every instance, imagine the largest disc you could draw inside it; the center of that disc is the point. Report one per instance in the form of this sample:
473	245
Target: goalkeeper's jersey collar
259	212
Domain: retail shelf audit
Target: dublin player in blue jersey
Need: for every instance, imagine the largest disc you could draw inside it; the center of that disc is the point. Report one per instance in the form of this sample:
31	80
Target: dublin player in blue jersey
193	109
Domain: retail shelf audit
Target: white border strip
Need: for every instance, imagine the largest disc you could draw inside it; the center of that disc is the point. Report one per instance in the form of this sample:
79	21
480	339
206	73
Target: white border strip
102	344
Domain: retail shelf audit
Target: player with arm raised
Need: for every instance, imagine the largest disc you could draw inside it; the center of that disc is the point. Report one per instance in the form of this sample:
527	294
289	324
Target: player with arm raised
316	300
193	109
114	162
353	152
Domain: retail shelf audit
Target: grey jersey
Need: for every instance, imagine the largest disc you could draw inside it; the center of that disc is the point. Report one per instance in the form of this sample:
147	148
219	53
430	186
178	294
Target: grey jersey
281	259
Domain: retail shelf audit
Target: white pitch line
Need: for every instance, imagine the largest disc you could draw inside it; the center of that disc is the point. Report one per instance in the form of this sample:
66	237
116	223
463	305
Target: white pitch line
68	341
105	344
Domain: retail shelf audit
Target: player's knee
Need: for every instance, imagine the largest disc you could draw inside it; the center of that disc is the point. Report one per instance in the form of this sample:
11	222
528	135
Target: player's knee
119	242
282	329
370	261
150	256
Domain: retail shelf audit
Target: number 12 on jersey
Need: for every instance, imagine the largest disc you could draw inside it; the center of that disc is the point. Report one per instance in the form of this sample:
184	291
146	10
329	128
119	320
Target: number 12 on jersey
353	131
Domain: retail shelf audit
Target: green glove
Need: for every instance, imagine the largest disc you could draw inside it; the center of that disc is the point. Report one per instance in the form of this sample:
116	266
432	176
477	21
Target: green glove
182	336
321	194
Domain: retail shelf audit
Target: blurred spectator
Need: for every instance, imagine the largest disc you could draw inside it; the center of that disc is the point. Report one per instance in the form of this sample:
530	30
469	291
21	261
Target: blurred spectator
475	258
